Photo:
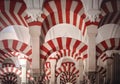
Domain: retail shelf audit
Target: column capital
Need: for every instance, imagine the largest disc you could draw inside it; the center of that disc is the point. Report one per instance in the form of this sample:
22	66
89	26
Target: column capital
35	31
23	61
35	14
92	9
92	30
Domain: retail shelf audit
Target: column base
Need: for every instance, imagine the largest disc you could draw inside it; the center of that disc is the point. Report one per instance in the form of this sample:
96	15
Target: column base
23	83
91	77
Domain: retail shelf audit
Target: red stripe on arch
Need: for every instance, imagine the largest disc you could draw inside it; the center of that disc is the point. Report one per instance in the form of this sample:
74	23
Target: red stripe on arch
83	16
52	45
112	42
23	47
78	8
68	6
59	40
6	46
29	52
8	18
59	10
83	49
14	46
77	43
68	43
104	45
104	7
3	22
114	5
22	9
2	5
53	18
12	6
98	50
44	49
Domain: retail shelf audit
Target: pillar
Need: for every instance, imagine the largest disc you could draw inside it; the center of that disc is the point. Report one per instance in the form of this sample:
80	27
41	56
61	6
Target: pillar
80	67
109	63
53	65
23	63
116	69
91	60
35	42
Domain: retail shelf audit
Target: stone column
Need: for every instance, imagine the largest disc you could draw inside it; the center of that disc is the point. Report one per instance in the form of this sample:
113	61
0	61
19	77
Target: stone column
109	63
53	65
23	63
91	60
116	69
80	67
91	41
35	42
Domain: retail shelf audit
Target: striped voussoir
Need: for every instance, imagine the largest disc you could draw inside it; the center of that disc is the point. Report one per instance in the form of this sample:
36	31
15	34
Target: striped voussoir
62	43
14	70
110	12
109	44
64	11
15	46
12	12
67	67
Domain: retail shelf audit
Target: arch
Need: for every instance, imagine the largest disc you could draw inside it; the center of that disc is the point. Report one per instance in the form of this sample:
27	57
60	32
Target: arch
10	70
8	65
9	78
68	30
103	59
67	67
110	12
16	32
4	55
15	71
109	44
113	31
64	11
68	77
101	70
12	13
15	46
69	71
109	6
62	43
68	53
47	70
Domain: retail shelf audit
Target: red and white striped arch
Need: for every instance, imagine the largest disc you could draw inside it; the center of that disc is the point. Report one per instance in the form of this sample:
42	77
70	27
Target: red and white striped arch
12	12
110	12
8	65
10	70
110	6
9	77
104	57
67	67
68	77
63	43
47	70
15	46
70	53
109	44
64	11
101	70
4	55
15	70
